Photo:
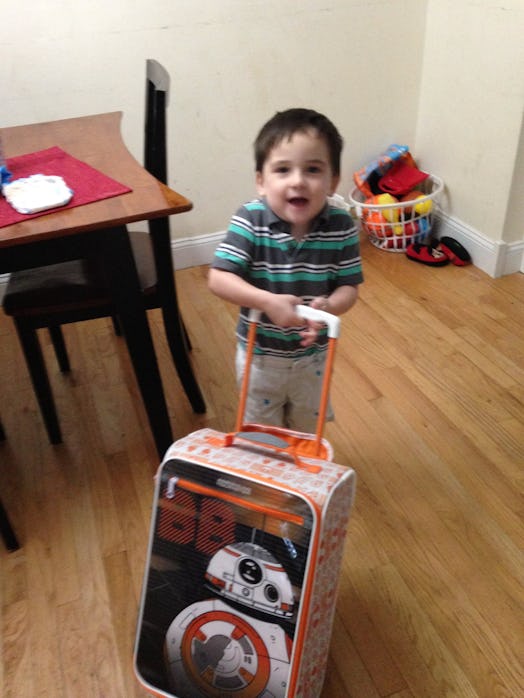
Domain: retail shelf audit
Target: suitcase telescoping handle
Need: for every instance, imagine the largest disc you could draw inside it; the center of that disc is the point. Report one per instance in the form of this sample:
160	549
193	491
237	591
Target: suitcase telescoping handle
305	311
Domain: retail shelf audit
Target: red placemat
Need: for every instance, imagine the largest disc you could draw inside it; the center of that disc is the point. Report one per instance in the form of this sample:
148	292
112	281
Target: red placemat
88	184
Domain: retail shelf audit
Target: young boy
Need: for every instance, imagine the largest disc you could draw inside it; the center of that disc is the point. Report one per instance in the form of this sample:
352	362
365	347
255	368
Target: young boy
287	247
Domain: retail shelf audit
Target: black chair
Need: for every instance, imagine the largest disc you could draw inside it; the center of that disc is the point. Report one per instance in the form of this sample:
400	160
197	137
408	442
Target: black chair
53	295
8	534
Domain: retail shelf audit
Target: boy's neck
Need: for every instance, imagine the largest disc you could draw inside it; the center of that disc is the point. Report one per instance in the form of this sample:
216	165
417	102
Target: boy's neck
300	233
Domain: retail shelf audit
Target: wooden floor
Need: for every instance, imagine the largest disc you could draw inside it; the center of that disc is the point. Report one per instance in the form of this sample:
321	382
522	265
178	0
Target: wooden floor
429	396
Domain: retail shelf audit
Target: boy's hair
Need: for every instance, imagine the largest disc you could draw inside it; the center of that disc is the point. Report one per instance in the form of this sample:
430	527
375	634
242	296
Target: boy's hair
286	123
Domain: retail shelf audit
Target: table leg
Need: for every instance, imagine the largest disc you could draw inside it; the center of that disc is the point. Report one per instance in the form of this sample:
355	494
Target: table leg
122	277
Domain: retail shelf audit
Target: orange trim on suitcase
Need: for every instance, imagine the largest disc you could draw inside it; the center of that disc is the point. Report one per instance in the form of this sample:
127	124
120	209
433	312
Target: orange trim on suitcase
227	497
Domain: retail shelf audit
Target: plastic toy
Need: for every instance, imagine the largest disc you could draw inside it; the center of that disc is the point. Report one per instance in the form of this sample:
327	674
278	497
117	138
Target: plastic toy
5	175
376	224
401	178
423	207
390	214
424	225
411	228
394	243
367	177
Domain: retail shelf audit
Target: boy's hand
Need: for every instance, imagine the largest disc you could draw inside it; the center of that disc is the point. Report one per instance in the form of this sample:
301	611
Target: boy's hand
310	334
281	309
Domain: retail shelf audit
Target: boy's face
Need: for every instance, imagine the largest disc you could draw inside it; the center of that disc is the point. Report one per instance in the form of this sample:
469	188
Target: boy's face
296	178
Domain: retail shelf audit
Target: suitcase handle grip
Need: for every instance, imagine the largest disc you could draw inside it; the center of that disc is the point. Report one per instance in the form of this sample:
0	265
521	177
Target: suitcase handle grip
309	313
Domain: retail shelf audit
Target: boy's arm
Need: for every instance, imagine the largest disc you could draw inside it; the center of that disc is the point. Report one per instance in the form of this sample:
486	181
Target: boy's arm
278	307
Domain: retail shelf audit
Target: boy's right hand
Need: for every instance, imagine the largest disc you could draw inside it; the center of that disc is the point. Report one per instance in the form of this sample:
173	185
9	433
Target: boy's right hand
281	310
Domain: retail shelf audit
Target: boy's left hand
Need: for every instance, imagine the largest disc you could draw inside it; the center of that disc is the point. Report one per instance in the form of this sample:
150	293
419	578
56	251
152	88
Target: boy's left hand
310	334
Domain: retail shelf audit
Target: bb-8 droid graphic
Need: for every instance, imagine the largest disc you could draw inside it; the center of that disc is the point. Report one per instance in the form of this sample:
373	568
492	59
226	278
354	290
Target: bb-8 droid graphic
213	650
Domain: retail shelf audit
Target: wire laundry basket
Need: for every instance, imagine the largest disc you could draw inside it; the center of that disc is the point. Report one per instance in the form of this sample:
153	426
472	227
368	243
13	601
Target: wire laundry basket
395	224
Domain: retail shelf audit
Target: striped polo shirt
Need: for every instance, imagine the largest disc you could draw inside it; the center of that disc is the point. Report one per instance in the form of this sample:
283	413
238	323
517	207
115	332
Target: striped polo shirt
258	247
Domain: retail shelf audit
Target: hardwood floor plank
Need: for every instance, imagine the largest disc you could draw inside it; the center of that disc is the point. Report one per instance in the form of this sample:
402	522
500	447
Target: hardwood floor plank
354	626
124	600
77	677
427	663
17	674
351	671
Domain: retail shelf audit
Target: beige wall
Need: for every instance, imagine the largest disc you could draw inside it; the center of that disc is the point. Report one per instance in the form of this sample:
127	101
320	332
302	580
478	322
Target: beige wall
470	109
443	76
514	224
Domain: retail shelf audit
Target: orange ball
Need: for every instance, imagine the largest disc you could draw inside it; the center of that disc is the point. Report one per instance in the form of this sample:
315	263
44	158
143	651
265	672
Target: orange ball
376	224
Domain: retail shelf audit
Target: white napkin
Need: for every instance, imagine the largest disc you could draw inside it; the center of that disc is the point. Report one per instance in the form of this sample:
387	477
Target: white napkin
37	193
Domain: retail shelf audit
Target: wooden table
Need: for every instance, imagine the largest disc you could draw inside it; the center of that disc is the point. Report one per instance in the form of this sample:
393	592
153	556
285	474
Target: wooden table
71	233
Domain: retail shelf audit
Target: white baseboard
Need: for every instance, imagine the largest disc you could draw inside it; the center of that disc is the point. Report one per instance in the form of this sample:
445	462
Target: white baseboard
192	252
496	258
493	257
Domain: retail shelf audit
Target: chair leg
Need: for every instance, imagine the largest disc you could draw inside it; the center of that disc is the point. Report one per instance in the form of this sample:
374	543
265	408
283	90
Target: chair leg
38	372
186	335
8	534
176	338
116	325
55	332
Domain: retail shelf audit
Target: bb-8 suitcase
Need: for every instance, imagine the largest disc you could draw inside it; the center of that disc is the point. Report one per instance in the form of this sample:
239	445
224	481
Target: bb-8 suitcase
245	548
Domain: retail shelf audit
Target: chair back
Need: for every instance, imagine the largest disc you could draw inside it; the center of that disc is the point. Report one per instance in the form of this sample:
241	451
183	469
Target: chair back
155	162
155	143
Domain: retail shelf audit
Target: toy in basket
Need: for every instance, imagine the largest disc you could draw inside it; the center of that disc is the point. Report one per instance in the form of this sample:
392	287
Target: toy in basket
246	543
395	201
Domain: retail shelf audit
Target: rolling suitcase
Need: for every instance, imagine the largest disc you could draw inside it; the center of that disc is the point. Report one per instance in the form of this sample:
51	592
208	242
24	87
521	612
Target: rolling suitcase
245	548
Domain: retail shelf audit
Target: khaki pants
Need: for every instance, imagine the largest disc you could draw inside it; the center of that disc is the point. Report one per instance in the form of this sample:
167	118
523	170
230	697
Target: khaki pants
284	392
